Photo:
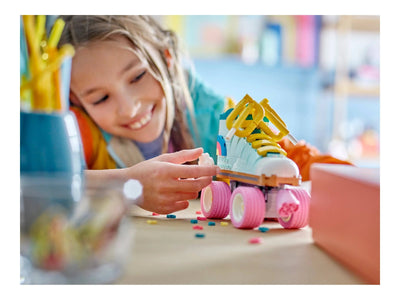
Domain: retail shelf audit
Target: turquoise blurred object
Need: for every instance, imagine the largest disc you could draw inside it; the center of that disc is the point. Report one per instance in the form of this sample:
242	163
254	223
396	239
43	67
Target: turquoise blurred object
51	163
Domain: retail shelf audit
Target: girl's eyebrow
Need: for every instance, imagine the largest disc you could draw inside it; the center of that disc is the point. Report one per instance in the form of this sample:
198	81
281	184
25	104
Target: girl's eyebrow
129	66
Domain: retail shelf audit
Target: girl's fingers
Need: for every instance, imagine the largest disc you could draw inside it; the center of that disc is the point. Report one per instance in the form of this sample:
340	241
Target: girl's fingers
188	185
182	156
172	207
192	171
181	205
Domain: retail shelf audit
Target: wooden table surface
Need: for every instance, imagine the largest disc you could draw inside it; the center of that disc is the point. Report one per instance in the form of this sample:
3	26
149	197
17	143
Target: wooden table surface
169	253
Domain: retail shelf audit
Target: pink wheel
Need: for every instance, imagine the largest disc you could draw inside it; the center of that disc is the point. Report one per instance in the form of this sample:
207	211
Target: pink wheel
215	200
298	218
247	207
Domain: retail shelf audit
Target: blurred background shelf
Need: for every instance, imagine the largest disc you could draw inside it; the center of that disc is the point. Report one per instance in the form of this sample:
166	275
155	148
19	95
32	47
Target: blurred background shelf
352	88
321	73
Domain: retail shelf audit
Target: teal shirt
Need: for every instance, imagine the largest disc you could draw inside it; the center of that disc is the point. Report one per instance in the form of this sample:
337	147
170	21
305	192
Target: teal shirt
208	106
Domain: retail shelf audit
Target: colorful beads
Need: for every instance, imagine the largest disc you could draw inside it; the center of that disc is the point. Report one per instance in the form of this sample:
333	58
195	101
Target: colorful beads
255	240
193	221
263	229
200	235
197	227
171	216
211	223
151	222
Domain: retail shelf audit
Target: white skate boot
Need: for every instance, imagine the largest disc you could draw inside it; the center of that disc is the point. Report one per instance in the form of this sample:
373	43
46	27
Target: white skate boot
249	155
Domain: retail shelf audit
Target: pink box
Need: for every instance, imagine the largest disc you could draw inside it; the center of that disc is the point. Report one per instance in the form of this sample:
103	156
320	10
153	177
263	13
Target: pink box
345	216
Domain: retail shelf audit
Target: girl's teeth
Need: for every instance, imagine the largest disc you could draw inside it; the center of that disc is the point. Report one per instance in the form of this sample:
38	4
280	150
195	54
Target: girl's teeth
135	125
141	122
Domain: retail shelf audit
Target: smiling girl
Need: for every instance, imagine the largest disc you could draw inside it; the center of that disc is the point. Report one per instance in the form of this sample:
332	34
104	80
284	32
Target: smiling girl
137	115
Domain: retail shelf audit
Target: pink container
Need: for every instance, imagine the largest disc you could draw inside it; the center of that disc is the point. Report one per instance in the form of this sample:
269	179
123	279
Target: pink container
345	216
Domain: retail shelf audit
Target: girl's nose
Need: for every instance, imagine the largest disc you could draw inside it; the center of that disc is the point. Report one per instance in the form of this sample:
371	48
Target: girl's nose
127	106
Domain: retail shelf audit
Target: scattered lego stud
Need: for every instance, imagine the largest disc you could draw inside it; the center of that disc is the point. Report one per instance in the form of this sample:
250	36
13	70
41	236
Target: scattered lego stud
200	235
211	223
224	223
197	227
171	216
263	229
155	214
201	218
194	221
198	212
255	240
151	222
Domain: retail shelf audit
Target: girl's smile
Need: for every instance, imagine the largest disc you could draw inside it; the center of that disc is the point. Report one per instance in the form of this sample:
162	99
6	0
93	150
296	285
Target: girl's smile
141	120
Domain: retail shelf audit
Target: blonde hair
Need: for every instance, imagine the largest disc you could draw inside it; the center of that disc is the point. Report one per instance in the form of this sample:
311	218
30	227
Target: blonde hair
149	42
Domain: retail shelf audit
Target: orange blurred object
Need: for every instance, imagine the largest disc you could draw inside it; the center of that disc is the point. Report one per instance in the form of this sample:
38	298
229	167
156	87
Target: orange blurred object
304	155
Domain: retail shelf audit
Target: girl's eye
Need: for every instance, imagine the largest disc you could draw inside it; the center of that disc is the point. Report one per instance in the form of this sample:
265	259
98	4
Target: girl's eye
137	78
101	100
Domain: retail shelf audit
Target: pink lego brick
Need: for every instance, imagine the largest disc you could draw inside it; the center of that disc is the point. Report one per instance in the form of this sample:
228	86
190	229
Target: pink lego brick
345	216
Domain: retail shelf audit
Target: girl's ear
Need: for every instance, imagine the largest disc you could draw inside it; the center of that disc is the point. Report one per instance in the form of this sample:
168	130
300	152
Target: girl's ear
168	58
74	99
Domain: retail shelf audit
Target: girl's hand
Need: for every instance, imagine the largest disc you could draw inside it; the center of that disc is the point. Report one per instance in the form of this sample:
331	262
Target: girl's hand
167	184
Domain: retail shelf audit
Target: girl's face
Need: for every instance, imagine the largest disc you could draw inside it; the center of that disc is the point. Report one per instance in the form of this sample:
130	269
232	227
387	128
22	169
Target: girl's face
118	91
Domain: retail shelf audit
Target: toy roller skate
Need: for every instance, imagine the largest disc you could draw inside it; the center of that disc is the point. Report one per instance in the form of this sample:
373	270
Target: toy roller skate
257	180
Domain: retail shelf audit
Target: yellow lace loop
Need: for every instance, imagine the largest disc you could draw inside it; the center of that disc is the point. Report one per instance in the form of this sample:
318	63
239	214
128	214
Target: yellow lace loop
266	140
263	143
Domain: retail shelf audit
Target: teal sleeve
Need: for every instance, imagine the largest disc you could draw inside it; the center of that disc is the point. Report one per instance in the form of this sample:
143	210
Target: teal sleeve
208	106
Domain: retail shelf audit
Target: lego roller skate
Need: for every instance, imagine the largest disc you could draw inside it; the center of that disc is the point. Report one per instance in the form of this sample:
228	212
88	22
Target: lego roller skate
257	180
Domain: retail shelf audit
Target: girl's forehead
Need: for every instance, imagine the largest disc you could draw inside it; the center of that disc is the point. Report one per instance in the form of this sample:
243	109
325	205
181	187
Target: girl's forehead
102	61
107	50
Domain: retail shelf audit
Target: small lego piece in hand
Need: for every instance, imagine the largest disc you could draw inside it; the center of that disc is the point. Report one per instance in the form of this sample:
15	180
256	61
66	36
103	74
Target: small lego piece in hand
206	160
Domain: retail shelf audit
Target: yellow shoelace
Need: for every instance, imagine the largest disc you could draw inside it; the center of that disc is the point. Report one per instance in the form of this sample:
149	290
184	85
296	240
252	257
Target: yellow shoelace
264	141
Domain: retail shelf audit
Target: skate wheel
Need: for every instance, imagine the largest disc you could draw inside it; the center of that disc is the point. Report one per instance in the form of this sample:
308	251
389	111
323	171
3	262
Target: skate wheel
299	218
215	200
247	207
